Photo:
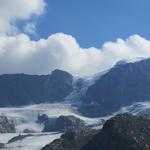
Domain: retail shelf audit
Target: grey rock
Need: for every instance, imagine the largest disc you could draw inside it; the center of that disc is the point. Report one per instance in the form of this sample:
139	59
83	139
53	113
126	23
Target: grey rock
6	126
72	140
42	118
2	145
63	123
122	132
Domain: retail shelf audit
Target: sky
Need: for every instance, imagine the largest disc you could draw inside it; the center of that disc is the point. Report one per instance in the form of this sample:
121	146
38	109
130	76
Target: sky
82	37
93	22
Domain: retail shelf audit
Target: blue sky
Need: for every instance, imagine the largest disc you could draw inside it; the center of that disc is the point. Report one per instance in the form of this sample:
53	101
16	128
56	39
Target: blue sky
93	22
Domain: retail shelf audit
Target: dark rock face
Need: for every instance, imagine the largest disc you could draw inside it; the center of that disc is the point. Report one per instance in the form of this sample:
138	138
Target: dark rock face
63	123
42	118
123	85
28	131
72	140
25	89
2	145
122	132
6	126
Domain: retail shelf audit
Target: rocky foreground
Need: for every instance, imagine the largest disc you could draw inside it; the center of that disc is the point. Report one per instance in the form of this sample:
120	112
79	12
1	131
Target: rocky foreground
122	132
72	140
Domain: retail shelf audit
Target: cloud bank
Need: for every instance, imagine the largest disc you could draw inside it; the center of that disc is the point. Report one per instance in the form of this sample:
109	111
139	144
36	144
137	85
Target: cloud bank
20	54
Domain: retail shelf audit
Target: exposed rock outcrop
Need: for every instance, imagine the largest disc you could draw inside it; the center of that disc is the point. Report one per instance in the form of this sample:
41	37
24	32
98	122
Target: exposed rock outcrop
6	126
63	123
42	118
29	131
2	145
123	132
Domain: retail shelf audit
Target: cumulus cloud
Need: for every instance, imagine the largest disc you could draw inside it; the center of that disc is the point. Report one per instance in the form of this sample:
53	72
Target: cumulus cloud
12	10
20	54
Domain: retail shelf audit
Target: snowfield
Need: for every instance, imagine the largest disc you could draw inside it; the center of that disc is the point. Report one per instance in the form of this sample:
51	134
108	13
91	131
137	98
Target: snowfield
35	142
25	118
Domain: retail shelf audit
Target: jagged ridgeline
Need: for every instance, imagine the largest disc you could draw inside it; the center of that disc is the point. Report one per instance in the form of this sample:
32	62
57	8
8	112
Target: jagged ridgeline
122	85
22	89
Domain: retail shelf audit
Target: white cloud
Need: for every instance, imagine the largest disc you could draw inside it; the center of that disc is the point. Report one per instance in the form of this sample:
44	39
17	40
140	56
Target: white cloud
19	54
12	10
30	28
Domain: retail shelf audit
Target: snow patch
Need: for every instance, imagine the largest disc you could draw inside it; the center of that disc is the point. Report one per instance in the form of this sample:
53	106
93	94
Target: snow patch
35	142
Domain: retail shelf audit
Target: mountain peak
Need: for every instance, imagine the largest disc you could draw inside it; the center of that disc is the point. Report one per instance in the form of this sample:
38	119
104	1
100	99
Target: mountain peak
58	72
126	61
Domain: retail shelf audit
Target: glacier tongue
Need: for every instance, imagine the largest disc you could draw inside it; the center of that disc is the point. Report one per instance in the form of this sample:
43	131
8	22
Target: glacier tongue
25	117
81	85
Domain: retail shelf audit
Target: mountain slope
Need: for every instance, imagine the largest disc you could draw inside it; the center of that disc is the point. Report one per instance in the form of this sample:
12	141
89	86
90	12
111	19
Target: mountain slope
122	85
21	89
